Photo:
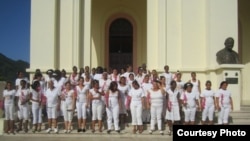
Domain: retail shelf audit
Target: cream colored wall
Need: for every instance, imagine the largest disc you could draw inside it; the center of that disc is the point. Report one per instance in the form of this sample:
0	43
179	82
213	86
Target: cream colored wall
43	41
193	35
244	35
174	34
66	35
102	11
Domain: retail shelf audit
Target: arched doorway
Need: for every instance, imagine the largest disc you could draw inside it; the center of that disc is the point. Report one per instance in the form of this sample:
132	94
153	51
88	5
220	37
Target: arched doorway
120	43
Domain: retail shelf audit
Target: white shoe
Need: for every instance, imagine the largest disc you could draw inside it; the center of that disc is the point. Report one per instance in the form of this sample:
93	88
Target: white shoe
161	132
65	131
55	130
69	131
150	131
169	133
48	130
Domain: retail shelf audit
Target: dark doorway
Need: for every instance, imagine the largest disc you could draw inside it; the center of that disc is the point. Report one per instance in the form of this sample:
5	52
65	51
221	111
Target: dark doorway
120	43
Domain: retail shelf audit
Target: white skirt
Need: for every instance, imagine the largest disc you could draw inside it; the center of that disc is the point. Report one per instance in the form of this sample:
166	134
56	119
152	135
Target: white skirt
174	114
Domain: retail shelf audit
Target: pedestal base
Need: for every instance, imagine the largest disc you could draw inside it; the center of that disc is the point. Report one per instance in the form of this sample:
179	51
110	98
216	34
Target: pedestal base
232	74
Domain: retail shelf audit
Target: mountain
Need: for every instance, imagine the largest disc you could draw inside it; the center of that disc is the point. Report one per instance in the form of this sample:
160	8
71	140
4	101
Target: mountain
9	68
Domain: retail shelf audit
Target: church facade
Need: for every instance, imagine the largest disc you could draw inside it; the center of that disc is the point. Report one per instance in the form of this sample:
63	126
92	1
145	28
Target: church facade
183	34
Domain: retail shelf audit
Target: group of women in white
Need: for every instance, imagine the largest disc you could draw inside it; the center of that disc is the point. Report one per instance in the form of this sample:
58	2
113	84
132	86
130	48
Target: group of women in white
116	95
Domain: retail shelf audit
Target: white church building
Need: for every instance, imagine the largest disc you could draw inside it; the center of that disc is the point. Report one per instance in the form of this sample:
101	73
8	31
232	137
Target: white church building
183	34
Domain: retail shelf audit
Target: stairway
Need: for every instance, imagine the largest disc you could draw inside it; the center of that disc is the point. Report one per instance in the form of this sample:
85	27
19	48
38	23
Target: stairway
241	117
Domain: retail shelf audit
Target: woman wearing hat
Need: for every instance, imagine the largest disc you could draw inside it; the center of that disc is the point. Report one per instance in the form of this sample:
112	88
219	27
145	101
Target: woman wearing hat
190	101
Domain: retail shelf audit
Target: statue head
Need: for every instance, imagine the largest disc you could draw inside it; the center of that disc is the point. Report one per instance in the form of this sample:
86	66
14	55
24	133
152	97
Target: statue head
229	43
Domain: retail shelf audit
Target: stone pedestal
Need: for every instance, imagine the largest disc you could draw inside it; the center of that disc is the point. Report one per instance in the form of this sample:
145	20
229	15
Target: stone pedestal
232	74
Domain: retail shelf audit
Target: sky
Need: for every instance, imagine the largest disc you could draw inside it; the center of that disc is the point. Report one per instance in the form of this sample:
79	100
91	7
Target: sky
15	29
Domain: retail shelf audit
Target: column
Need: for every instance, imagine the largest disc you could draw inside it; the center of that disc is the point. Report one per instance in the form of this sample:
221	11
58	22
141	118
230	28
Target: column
156	34
86	33
174	35
76	33
43	35
66	35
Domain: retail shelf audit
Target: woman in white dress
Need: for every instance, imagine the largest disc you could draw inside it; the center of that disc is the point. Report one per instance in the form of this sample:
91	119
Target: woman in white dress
9	103
140	75
73	78
113	104
224	103
155	97
82	104
87	80
124	110
173	102
68	96
115	76
196	83
130	79
208	104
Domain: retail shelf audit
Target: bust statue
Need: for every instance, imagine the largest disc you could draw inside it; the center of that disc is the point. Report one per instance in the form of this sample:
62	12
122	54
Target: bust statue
227	55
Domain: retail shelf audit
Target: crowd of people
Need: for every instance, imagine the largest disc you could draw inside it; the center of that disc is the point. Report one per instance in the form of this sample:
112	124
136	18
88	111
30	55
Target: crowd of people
115	96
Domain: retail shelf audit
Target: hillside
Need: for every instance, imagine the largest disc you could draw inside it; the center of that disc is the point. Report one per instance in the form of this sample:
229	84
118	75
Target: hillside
9	68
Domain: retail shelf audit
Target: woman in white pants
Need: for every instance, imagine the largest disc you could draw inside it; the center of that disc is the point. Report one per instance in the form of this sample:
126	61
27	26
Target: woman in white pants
23	95
113	104
68	106
207	104
52	95
36	99
95	97
173	106
155	99
82	104
137	97
190	101
9	103
224	103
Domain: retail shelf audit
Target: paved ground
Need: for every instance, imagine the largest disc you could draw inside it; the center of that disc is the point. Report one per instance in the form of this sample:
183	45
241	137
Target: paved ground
81	137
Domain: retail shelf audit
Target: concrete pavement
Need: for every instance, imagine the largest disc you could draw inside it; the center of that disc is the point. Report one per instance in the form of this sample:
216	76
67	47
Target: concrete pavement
83	137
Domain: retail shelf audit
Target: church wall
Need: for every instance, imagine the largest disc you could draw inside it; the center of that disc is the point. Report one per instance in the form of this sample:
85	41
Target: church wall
195	31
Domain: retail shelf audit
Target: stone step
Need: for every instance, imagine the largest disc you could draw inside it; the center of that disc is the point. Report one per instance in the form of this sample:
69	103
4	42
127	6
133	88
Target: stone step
245	108
240	114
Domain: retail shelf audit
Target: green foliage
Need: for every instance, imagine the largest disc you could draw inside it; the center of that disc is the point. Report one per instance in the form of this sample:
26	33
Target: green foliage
9	68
